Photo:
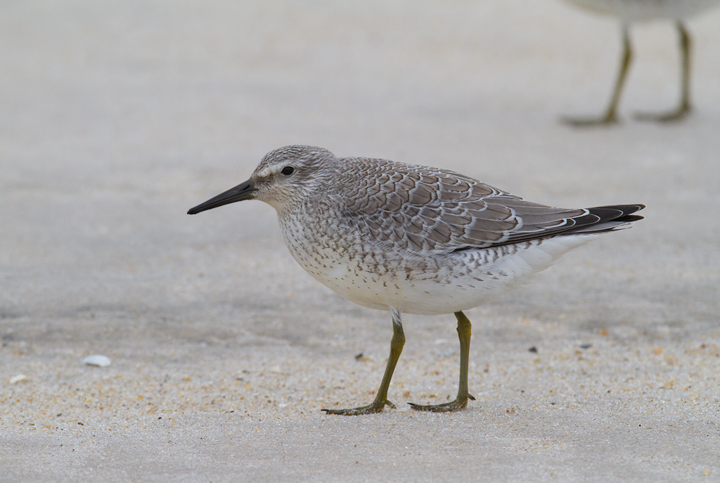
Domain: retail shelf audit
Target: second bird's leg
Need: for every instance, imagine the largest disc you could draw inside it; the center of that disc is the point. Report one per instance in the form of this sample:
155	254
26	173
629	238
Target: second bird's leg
610	116
464	330
396	347
684	108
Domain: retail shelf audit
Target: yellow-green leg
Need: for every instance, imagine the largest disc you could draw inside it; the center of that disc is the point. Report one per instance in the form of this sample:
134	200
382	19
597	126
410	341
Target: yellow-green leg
464	330
684	107
610	116
396	347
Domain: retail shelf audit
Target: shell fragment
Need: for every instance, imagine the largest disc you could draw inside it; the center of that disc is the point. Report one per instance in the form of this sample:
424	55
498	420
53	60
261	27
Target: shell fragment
18	378
97	360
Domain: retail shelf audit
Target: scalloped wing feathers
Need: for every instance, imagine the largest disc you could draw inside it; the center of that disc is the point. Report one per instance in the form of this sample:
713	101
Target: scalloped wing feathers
421	208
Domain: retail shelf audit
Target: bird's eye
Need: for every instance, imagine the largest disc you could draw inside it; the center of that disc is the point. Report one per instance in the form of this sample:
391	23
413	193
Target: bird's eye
288	170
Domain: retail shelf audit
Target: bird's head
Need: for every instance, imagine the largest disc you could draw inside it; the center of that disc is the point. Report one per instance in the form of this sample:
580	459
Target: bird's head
284	176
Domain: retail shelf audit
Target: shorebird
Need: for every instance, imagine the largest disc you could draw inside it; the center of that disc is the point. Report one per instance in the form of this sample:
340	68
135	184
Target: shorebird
631	11
413	239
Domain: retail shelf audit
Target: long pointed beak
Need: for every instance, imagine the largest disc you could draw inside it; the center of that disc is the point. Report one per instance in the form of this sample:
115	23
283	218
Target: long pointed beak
243	191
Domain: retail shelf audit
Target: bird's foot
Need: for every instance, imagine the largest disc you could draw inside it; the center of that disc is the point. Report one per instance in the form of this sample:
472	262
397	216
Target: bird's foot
605	120
455	405
672	116
372	408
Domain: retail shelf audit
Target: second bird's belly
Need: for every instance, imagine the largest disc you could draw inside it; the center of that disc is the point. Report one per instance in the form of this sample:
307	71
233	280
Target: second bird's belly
644	10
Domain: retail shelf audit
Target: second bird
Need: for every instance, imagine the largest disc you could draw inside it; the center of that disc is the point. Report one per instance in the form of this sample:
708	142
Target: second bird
414	239
631	11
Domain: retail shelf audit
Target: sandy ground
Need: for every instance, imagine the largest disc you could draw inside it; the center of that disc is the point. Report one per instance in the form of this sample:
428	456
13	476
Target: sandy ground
115	118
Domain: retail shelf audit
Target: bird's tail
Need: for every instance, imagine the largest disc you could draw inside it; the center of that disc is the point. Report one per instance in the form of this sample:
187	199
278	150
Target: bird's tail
606	218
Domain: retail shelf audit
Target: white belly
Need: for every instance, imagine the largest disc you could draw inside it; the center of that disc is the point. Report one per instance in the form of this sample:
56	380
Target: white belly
456	282
644	10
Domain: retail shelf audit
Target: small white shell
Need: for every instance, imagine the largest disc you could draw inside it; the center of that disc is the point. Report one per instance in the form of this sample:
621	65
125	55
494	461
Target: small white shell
97	360
18	378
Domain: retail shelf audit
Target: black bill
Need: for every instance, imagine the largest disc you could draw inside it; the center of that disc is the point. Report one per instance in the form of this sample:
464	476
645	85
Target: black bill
243	191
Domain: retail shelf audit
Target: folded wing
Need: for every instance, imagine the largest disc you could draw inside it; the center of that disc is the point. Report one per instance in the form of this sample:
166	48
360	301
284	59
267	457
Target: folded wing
420	209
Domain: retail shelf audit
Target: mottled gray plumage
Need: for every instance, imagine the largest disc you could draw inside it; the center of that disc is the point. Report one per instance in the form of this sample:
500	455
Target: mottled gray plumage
408	238
432	210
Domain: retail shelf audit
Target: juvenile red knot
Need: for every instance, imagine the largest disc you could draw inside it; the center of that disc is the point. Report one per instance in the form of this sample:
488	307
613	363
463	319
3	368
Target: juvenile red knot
405	238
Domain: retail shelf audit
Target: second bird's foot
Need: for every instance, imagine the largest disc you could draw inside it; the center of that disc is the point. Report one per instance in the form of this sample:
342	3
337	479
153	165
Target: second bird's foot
372	408
672	116
456	405
606	120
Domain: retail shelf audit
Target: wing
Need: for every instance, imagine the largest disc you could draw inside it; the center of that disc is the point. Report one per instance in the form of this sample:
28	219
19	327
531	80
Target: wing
428	209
